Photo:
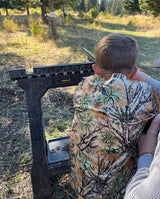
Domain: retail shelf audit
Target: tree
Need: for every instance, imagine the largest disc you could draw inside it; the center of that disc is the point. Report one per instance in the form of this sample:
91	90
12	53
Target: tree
53	24
109	5
62	4
131	5
6	4
44	4
81	5
93	3
86	2
23	4
103	5
89	4
153	6
116	7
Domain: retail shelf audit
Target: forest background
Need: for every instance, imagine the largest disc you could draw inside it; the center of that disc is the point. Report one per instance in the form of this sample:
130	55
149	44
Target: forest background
28	39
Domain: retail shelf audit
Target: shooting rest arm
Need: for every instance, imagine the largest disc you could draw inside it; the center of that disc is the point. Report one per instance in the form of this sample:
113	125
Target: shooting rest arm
64	75
35	85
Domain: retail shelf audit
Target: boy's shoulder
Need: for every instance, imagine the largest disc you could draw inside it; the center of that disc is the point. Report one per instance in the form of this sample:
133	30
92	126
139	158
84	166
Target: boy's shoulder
129	82
88	84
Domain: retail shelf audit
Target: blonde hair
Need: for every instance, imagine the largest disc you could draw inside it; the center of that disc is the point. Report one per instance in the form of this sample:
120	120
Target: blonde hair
117	53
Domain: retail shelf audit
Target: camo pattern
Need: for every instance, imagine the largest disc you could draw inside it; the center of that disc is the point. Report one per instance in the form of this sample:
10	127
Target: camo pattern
109	117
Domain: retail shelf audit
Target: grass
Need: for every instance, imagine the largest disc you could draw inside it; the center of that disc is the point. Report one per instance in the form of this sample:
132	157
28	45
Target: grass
19	48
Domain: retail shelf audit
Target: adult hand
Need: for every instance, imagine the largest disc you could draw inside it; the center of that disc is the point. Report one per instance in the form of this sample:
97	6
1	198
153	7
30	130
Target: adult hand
147	142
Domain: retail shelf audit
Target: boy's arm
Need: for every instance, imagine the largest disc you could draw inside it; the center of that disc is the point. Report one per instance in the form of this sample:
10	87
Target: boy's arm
138	75
141	76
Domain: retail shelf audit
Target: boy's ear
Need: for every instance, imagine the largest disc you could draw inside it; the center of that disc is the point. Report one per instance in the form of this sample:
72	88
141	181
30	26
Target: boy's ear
96	69
132	74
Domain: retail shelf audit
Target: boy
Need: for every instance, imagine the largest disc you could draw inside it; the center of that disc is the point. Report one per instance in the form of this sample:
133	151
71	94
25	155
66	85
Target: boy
110	114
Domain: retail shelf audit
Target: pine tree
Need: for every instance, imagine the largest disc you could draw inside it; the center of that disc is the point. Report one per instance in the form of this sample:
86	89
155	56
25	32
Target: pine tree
62	4
103	5
153	6
86	2
94	3
89	4
82	5
116	7
131	5
109	6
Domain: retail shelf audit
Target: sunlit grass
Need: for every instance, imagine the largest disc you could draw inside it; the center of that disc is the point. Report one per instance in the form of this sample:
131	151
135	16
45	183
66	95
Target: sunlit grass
145	29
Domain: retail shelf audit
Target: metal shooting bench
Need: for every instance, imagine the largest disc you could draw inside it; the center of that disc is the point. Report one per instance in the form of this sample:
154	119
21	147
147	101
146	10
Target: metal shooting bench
50	157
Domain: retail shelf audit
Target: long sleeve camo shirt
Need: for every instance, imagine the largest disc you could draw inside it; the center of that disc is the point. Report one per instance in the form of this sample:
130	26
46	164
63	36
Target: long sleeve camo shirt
109	117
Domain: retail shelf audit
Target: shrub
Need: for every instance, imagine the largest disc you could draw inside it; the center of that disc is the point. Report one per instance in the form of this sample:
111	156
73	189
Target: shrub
90	15
81	14
69	19
36	30
43	34
132	21
97	23
23	21
87	16
35	11
34	27
93	12
10	25
59	12
108	15
15	11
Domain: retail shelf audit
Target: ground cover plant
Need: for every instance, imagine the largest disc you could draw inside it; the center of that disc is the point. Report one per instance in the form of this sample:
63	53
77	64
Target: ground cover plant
26	42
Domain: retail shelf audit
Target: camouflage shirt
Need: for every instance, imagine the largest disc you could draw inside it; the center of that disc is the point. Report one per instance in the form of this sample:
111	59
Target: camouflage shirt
109	117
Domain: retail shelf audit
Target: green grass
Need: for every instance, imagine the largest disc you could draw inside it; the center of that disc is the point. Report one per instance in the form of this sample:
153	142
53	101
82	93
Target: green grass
20	48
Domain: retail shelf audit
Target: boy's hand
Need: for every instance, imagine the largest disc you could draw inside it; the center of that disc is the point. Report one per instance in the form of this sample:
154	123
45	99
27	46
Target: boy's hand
147	142
156	64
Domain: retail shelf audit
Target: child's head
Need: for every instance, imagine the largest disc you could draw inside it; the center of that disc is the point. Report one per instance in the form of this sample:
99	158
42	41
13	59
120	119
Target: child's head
117	53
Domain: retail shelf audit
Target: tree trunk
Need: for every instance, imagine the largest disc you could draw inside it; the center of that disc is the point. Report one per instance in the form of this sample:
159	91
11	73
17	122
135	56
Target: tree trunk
7	11
53	24
64	14
44	14
28	13
90	4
